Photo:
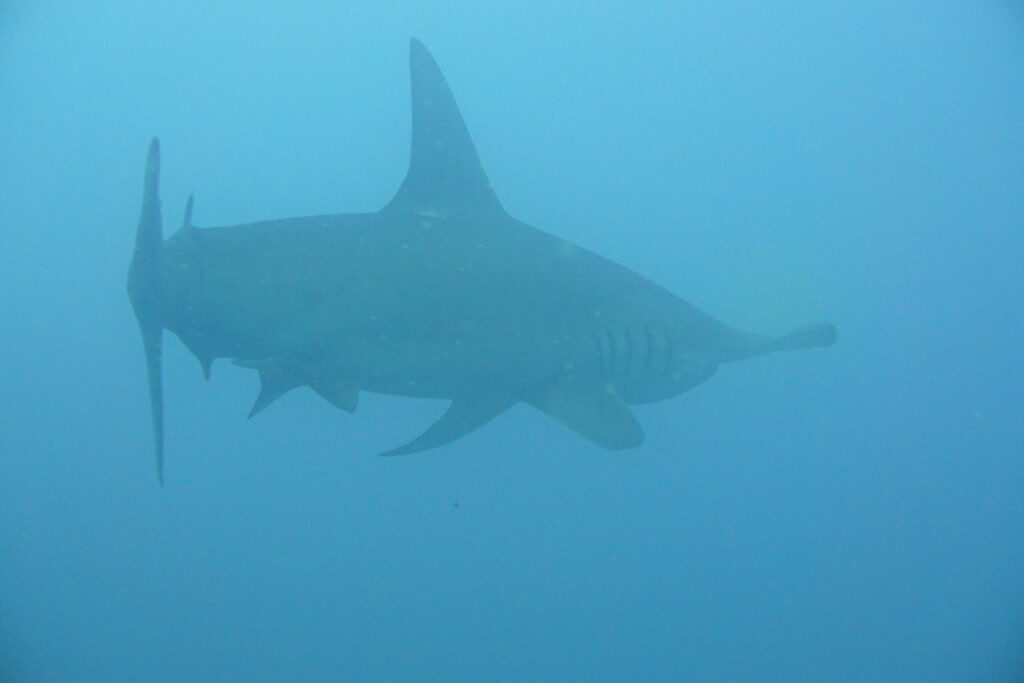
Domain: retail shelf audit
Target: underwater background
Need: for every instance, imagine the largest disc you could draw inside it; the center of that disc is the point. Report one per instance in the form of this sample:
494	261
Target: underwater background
851	513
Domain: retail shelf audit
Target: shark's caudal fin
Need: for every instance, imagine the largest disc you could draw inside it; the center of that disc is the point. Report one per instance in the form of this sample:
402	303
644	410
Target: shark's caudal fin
445	176
807	337
144	291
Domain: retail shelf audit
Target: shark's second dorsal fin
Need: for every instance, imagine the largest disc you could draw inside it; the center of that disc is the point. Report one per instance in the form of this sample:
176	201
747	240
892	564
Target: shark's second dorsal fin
445	176
186	224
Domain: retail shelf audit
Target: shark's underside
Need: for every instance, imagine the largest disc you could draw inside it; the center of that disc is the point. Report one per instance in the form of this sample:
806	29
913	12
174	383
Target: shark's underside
441	294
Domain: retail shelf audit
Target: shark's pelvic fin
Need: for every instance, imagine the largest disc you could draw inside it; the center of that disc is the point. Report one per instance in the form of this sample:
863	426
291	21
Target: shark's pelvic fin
204	357
591	409
272	386
145	293
445	176
275	382
463	417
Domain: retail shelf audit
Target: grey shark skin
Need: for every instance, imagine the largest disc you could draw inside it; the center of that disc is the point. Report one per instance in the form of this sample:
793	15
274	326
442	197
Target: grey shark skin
441	294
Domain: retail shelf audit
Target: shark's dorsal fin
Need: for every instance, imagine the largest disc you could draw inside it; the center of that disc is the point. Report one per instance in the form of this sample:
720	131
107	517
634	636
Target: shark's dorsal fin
445	176
186	224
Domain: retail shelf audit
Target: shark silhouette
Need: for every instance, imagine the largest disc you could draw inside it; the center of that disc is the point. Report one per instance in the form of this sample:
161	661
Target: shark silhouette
440	294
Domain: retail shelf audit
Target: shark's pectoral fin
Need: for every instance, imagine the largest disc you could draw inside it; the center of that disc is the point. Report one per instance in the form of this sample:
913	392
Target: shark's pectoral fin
463	416
591	409
342	395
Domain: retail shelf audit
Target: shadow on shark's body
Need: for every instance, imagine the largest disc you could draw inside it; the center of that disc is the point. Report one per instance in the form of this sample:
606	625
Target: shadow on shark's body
441	294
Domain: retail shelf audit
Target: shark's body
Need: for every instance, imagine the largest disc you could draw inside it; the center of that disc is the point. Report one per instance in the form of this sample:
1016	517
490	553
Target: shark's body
441	294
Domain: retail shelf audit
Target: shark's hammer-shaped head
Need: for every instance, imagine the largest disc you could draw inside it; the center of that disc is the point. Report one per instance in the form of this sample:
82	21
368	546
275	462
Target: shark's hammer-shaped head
144	290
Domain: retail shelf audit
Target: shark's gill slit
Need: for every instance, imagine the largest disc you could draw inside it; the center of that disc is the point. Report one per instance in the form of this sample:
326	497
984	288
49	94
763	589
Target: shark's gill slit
629	352
668	352
601	355
612	364
649	346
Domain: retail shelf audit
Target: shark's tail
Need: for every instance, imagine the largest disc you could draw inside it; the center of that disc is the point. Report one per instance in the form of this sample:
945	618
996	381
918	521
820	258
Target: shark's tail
807	337
144	291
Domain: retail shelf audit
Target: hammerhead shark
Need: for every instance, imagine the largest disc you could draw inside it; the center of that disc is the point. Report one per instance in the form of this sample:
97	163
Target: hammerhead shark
440	294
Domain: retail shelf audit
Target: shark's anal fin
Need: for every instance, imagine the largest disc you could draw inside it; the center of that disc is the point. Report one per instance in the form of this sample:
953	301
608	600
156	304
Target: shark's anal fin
344	395
463	417
145	293
591	409
445	175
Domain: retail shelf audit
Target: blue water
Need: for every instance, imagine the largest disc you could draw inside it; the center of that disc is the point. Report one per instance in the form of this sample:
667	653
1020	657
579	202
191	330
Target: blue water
852	513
